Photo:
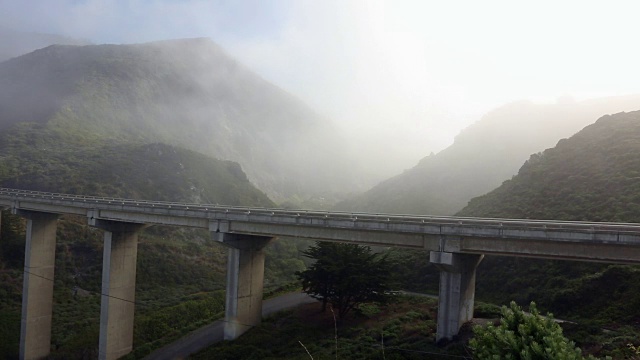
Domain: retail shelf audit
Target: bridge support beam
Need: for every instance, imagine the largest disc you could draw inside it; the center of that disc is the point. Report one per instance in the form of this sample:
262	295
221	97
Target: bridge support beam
37	286
118	287
245	279
457	290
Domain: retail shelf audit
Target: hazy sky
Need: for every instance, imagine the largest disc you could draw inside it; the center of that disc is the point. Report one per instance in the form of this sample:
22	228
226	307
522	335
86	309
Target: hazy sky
401	77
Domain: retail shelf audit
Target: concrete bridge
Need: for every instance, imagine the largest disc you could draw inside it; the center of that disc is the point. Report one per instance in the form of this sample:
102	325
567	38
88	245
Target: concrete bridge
456	246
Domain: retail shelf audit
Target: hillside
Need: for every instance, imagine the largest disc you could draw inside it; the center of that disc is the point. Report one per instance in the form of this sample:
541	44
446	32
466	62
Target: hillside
35	159
482	156
592	176
187	93
144	122
180	271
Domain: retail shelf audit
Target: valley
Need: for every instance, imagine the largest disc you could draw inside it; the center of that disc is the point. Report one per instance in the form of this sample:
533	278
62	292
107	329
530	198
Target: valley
182	121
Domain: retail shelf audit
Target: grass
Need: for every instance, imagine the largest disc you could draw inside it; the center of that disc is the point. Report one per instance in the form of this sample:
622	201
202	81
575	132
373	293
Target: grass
404	329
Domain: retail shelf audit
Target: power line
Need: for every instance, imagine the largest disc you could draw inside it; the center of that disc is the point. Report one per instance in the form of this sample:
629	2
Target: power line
253	325
93	292
276	286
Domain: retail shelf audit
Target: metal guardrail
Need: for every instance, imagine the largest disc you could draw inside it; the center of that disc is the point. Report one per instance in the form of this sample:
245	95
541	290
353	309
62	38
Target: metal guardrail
94	202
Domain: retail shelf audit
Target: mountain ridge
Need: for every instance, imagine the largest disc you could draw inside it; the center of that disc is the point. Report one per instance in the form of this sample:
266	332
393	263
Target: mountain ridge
187	93
597	171
482	156
593	175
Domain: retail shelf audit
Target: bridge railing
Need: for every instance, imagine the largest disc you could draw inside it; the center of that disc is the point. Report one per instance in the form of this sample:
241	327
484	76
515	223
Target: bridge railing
458	222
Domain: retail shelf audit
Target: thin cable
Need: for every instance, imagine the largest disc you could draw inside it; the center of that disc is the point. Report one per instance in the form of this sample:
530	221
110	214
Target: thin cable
93	292
249	325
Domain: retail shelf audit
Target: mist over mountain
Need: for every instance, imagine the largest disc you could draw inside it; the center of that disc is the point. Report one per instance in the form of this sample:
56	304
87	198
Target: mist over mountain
591	176
109	121
483	155
15	43
186	93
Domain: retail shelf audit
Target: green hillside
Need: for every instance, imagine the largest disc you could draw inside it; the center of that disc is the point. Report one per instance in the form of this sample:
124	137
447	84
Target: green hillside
483	156
592	176
180	277
187	93
36	158
148	121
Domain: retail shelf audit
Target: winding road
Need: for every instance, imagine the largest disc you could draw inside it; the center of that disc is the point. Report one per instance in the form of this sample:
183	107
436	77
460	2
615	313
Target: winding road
213	333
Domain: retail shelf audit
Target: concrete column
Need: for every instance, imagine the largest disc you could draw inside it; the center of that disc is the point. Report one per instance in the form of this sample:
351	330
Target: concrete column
118	287
457	290
245	279
37	286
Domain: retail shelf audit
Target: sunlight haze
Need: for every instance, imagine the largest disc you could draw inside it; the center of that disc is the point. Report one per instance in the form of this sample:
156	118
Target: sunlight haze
401	78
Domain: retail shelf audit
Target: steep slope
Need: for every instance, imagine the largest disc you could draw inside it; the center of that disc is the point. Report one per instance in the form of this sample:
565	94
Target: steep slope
482	156
153	171
15	43
180	271
187	93
592	176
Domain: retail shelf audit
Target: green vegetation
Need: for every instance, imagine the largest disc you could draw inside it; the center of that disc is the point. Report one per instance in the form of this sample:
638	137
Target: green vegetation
126	121
345	275
105	121
404	329
523	336
185	93
179	270
180	282
482	156
35	157
592	176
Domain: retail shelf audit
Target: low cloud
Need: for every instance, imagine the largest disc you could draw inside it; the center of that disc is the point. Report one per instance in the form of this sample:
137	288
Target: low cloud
401	78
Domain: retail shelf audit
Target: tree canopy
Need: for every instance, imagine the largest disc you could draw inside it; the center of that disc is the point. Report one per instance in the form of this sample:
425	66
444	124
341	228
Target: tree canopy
523	335
345	275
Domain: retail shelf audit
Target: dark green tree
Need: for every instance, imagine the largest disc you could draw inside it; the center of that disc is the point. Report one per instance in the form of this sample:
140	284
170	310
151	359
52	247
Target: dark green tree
345	275
523	335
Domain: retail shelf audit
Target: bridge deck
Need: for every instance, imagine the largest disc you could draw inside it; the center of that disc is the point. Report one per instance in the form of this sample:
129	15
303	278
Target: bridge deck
610	242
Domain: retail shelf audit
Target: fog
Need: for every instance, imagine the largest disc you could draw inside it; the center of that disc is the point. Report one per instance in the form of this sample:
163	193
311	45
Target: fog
400	78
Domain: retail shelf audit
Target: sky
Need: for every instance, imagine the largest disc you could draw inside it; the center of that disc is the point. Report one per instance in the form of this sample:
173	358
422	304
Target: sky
400	78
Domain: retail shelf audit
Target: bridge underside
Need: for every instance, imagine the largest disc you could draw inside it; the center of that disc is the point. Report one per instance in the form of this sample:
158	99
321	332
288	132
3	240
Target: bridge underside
456	246
245	275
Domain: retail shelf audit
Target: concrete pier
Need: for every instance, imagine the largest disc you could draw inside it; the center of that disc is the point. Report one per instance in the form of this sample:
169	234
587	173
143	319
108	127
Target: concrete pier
37	287
455	244
245	279
457	290
118	287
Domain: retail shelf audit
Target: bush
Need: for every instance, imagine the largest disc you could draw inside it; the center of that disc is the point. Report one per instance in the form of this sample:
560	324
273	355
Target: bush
523	336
